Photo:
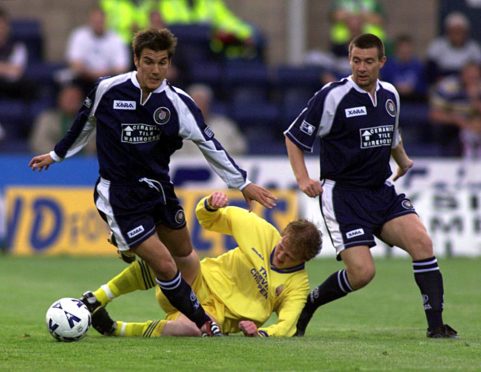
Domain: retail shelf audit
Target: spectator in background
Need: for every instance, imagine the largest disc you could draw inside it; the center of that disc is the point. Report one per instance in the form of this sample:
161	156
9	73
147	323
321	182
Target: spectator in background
347	16
13	61
406	71
455	110
51	125
93	51
177	69
126	17
348	19
225	130
231	37
448	53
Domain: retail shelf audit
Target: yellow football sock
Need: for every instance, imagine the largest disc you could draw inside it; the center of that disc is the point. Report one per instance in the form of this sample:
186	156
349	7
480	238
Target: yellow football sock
137	276
147	329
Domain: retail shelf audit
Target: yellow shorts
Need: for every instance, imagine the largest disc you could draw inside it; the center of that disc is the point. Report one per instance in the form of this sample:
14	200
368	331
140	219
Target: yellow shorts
211	304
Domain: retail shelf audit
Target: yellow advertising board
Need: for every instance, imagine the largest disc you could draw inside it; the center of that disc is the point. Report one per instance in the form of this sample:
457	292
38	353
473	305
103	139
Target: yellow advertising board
54	221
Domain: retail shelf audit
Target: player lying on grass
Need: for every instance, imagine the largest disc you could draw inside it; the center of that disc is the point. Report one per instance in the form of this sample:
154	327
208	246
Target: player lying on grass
239	289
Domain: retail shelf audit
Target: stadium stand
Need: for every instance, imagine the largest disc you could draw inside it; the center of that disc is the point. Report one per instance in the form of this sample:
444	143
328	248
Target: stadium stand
263	98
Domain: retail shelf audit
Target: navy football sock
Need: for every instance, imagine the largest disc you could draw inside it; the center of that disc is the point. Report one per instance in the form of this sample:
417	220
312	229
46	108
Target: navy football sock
430	281
183	298
335	286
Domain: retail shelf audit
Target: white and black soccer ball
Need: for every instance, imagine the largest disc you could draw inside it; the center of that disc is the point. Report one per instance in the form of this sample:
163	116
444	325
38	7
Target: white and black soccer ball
68	319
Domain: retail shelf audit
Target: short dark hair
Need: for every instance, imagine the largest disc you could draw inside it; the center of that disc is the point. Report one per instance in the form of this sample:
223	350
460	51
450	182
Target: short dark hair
304	237
366	41
155	39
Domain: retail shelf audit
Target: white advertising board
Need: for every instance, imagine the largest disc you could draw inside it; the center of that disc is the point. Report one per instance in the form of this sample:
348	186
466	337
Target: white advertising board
445	192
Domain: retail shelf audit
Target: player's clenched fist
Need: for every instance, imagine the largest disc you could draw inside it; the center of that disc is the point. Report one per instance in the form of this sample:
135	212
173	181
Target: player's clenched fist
217	200
249	328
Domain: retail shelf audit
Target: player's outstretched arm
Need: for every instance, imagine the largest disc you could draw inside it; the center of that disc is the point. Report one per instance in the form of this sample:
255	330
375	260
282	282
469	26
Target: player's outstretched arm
40	162
255	192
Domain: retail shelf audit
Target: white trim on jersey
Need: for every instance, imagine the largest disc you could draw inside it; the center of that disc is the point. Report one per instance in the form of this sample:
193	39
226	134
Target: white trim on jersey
83	138
218	160
89	127
105	85
396	135
331	102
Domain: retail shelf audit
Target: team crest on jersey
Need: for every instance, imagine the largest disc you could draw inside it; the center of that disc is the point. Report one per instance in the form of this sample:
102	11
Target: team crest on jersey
376	136
391	107
355	111
124	105
162	115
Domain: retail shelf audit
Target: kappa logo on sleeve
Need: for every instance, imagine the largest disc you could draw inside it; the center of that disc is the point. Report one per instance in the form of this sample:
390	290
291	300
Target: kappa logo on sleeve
307	128
124	105
355	111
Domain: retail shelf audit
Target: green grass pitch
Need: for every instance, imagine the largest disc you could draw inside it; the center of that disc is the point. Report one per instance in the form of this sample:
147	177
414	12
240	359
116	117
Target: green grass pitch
381	327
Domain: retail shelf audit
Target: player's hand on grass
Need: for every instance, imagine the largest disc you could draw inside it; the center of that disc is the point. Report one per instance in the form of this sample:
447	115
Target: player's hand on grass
40	162
217	200
249	328
255	192
402	170
310	187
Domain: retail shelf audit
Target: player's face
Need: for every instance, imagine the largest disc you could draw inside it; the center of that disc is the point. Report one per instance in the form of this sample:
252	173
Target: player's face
152	67
285	256
365	65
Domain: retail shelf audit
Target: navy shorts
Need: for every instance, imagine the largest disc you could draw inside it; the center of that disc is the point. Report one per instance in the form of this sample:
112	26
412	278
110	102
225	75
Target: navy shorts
354	215
133	211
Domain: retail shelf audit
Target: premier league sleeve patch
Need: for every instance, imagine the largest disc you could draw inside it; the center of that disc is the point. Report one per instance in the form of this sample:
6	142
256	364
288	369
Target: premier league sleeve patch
307	128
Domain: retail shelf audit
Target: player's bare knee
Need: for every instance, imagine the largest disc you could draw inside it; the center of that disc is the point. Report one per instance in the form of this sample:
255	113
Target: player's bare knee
163	269
361	276
421	247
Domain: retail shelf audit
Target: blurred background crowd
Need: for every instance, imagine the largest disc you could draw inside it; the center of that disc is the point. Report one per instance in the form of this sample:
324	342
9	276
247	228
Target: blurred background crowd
250	67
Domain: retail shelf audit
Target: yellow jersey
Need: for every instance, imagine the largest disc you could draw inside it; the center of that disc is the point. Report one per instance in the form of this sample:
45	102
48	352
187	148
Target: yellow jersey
244	279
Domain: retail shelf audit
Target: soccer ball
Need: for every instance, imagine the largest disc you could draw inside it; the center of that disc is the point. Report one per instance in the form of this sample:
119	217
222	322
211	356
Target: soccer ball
68	319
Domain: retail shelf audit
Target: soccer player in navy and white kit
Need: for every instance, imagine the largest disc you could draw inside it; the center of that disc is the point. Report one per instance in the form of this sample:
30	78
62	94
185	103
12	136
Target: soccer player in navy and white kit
140	121
356	119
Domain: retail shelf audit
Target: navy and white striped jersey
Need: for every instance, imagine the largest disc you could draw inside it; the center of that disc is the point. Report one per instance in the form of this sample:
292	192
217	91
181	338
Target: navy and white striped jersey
135	140
356	132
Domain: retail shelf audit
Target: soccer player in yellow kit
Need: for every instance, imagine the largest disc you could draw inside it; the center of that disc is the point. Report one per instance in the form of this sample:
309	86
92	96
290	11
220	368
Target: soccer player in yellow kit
239	289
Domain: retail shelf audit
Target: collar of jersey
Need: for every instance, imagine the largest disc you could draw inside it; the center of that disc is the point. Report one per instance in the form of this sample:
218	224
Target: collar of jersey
287	269
359	89
136	83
